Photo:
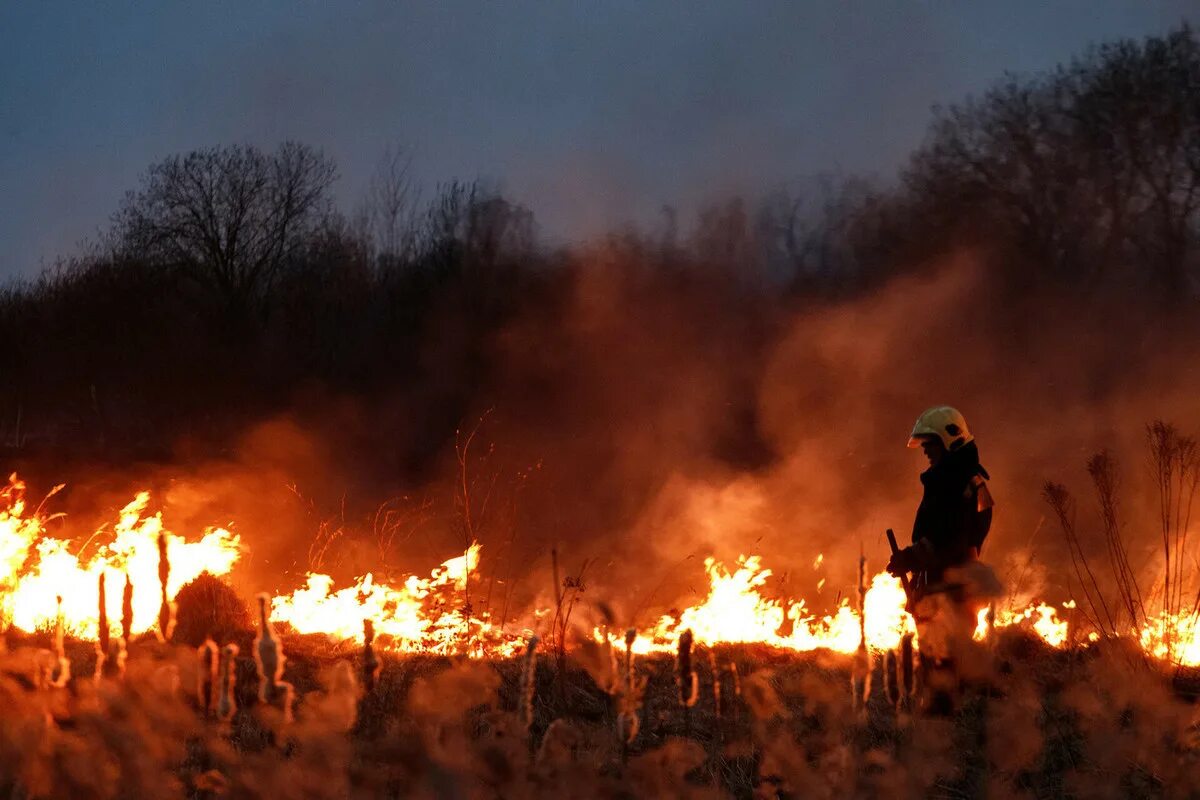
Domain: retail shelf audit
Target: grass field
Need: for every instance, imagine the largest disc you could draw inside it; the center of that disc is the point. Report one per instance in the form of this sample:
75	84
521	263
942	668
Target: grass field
1094	723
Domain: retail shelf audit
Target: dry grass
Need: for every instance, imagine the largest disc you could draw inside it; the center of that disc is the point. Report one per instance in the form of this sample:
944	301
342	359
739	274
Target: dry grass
1044	724
208	607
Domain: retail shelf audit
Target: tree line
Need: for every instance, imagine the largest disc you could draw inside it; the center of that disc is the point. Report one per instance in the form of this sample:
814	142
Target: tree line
228	284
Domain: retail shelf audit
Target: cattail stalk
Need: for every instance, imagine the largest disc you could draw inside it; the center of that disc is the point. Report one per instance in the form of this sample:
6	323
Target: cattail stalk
127	611
102	632
907	683
226	702
110	652
716	684
102	639
860	672
628	699
268	655
891	678
206	684
166	611
114	662
529	687
630	638
735	683
370	661
687	679
269	660
862	599
61	671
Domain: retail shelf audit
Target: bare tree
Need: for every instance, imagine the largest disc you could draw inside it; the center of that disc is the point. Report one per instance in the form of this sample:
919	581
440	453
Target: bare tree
814	231
230	217
388	212
1083	171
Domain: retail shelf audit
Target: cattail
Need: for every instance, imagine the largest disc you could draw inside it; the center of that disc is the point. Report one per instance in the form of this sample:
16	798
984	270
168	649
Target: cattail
268	653
285	696
1072	624
629	698
206	683
166	611
862	598
891	680
226	702
867	662
102	638
630	638
687	678
370	661
269	661
58	628
114	661
61	671
127	611
906	669
716	683
860	672
529	683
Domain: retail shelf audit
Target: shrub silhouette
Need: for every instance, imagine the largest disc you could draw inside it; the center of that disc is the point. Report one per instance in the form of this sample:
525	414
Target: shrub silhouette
208	606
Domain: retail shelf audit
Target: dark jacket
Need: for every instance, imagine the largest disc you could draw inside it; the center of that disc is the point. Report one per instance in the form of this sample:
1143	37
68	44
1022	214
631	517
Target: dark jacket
954	516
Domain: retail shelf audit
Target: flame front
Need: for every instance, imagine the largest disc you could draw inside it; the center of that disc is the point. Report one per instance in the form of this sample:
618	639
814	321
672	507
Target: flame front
421	614
736	611
435	613
37	568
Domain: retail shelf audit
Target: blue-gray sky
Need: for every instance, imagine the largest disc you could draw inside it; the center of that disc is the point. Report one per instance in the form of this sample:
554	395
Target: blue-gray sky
592	113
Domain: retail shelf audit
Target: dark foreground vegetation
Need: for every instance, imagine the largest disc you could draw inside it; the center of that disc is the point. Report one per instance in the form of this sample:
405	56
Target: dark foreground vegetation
1091	723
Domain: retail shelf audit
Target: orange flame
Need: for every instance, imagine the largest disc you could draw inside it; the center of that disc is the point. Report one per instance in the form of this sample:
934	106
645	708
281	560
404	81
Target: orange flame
421	614
736	611
434	613
36	569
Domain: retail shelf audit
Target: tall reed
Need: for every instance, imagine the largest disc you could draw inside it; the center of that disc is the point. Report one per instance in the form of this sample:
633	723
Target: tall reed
226	700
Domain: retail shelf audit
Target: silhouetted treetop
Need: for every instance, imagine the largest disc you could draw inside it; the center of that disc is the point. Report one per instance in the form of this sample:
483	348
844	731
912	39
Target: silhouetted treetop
1085	173
230	217
234	289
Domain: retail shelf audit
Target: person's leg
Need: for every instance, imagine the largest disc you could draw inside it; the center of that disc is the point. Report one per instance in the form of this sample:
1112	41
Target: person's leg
937	622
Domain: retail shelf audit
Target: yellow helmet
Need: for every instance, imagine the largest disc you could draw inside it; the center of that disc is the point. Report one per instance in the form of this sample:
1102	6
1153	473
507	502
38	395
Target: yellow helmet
944	422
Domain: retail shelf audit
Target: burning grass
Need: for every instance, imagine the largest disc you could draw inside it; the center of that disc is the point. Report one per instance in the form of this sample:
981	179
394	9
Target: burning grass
151	678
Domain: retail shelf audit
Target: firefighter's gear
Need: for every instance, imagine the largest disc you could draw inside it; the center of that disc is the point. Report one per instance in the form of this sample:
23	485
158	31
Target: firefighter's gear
908	559
944	422
954	516
948	533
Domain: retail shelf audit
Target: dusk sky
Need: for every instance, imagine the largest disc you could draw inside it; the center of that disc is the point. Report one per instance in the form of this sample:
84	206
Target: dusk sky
594	114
